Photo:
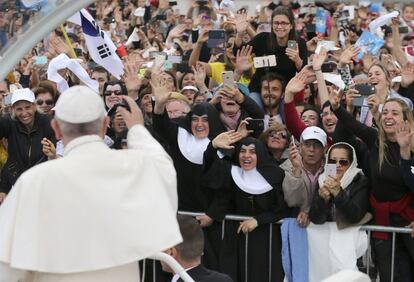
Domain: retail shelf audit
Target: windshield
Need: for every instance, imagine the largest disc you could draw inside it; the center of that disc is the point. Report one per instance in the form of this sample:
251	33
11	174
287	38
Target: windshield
16	17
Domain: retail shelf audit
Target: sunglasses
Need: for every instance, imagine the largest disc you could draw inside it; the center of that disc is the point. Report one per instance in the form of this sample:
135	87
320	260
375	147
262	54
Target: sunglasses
109	92
278	135
340	162
47	102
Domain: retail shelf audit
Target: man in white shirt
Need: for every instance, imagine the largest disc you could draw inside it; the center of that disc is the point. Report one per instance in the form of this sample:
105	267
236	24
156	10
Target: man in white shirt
91	215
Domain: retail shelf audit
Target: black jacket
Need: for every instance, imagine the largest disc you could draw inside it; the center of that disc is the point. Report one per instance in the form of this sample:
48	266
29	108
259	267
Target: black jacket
351	204
24	148
202	274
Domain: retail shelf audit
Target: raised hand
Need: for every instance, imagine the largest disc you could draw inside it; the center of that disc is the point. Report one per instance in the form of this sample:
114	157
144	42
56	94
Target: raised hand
241	22
295	158
203	37
242	129
404	135
159	88
349	97
297	83
242	58
407	75
318	59
226	139
348	54
199	74
312	44
334	99
333	185
373	103
293	54
177	31
132	117
132	81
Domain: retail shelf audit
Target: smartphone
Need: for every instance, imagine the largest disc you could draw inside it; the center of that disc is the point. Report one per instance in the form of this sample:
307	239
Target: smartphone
310	28
216	38
175	59
331	170
265	61
159	60
364	90
292	44
183	68
40	60
403	29
328	67
255	124
172	3
292	141
228	78
123	104
161	17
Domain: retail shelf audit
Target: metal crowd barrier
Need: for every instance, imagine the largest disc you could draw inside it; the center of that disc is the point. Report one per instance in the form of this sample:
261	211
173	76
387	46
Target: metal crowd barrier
368	228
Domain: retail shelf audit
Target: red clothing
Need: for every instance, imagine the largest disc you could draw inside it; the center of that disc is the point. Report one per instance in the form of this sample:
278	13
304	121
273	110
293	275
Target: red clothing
383	211
293	122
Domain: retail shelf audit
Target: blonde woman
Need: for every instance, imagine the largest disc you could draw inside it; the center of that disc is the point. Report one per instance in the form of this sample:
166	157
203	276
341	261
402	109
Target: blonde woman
391	199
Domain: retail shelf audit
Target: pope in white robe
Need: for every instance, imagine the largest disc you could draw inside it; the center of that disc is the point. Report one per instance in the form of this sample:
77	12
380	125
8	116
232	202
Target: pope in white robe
91	215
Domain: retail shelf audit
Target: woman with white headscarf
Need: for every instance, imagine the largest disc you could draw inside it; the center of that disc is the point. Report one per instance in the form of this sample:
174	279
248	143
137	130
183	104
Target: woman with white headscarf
338	209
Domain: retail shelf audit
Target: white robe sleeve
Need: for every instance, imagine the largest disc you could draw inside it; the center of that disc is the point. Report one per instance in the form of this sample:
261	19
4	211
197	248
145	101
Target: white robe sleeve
139	138
8	274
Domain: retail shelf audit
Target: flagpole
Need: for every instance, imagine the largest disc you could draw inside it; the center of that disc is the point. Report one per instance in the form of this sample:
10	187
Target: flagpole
62	28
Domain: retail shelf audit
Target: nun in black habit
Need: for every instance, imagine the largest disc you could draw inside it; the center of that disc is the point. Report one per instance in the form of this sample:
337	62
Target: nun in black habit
188	138
253	184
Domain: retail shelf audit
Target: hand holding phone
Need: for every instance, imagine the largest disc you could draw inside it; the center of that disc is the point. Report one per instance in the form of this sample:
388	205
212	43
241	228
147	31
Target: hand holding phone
331	170
255	125
292	44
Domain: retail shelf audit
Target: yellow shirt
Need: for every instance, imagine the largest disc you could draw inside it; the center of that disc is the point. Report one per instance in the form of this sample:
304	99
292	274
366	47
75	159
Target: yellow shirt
218	68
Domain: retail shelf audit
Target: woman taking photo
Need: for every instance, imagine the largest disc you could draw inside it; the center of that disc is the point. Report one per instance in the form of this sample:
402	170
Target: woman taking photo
290	59
391	199
344	198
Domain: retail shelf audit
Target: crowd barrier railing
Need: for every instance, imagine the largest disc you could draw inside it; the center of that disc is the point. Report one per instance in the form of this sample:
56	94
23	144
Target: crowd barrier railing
368	228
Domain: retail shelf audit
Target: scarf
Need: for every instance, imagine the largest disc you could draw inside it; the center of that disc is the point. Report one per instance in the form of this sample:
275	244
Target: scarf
350	173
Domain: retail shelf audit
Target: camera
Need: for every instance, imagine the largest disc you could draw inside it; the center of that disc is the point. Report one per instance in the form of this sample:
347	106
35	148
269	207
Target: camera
123	104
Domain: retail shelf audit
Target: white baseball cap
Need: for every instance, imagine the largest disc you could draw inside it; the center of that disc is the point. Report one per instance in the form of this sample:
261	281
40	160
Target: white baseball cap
314	132
189	87
24	94
79	104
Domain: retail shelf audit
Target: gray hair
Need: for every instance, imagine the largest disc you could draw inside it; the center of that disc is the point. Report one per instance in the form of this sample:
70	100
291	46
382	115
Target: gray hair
75	130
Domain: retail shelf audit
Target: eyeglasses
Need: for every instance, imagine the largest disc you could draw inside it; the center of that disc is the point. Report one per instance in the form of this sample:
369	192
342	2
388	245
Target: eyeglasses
340	162
282	24
109	92
278	134
47	102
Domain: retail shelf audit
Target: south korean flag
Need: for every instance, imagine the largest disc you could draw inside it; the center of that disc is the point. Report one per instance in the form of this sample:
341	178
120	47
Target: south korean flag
100	46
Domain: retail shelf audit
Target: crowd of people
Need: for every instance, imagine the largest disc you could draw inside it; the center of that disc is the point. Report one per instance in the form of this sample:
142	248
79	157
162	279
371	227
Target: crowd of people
294	110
